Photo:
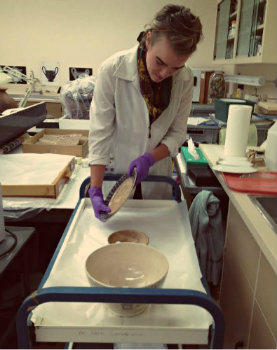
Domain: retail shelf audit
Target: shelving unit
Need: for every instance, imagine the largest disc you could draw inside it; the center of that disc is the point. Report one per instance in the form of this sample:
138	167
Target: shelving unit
246	32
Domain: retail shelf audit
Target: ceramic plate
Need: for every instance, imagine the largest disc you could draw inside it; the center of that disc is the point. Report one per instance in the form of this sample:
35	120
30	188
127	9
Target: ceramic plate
240	163
234	169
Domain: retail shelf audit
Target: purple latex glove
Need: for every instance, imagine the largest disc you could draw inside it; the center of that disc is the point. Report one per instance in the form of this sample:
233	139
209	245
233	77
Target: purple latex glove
142	165
97	201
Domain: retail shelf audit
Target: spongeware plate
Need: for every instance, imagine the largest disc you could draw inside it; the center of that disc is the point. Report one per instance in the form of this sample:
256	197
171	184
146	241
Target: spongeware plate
119	194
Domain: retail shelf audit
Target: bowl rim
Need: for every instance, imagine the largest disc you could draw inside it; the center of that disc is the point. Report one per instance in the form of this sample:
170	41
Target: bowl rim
147	247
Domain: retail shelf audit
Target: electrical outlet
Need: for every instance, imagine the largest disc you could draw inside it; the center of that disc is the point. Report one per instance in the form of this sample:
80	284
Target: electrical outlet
22	69
75	72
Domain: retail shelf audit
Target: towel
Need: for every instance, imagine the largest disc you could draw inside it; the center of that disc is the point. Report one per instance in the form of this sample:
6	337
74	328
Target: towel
208	234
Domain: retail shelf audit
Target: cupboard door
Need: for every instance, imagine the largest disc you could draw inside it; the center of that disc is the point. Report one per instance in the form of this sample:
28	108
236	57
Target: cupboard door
239	277
222	29
246	32
260	336
247	27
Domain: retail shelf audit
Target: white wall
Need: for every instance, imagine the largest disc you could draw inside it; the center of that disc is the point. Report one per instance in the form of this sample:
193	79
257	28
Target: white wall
269	71
82	33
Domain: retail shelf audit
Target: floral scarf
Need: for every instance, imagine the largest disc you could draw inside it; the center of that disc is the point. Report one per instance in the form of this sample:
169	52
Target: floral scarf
156	95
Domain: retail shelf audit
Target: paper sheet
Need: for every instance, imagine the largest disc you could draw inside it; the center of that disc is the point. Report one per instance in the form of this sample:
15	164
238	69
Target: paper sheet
197	120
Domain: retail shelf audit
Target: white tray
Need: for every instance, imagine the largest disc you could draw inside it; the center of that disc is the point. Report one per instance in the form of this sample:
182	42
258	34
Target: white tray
167	225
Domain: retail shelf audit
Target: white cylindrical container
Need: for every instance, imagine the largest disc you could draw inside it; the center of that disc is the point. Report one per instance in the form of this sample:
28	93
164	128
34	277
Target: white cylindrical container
237	130
271	148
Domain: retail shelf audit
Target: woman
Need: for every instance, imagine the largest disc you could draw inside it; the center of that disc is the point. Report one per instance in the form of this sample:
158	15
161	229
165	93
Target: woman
141	103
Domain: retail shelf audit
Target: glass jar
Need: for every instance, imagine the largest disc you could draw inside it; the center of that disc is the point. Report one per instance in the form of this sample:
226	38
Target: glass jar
217	86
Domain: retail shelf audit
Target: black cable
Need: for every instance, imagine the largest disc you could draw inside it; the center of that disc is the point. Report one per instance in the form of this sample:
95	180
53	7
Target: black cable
12	247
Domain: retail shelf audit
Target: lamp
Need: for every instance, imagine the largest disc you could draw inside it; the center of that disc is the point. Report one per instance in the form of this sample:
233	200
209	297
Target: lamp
4	78
8	75
245	80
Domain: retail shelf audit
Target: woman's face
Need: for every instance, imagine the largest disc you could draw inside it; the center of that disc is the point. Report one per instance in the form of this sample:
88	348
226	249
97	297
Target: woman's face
161	60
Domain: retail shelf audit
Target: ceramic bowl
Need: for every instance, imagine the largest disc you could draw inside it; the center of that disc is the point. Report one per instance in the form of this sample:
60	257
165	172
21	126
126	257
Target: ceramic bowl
128	236
127	265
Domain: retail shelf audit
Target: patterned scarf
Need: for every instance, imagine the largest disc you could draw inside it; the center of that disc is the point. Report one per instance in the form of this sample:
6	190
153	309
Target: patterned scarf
156	95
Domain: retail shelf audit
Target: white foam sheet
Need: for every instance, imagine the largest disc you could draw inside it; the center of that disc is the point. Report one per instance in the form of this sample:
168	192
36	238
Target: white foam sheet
67	199
167	225
31	168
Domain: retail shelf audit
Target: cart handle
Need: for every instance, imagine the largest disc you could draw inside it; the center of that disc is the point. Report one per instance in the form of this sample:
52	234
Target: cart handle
119	295
176	192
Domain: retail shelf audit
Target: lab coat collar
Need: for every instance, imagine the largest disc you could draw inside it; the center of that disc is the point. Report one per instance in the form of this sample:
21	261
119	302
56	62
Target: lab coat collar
127	68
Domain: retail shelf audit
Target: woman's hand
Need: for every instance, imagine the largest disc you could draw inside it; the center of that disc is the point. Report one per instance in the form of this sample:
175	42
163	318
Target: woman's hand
97	201
142	165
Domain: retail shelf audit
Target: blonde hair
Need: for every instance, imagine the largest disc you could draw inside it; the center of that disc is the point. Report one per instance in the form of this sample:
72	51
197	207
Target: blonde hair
179	25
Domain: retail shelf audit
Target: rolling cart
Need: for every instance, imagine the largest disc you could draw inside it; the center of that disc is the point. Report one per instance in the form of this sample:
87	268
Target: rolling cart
66	309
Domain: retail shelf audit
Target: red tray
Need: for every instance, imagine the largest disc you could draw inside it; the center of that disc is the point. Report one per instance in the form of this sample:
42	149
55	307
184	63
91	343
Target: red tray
261	182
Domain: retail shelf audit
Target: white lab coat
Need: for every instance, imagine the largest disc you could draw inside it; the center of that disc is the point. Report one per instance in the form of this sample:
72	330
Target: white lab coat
119	118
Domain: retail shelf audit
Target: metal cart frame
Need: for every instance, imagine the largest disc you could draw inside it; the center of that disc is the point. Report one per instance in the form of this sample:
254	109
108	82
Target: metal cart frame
117	295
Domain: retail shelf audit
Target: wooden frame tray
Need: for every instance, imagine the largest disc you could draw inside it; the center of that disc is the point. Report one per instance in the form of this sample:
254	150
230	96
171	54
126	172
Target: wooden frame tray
31	146
41	190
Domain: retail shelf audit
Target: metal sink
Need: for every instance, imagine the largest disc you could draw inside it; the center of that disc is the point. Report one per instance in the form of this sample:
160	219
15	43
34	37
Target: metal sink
267	205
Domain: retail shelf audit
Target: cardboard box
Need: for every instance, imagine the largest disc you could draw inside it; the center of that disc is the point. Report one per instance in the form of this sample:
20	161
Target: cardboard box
80	150
191	161
204	86
41	190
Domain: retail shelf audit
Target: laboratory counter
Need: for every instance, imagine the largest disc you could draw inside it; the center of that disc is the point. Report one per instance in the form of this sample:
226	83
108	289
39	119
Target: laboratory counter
249	279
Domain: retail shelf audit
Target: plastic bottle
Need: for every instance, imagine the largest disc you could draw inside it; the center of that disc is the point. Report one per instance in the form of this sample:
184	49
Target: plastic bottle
271	148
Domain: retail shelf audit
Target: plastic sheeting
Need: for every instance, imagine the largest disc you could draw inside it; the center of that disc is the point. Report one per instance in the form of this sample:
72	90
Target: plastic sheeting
167	225
76	97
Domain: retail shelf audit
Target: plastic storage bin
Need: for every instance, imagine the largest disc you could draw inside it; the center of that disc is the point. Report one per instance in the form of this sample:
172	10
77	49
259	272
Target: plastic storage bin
222	106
